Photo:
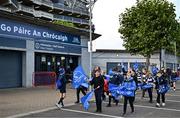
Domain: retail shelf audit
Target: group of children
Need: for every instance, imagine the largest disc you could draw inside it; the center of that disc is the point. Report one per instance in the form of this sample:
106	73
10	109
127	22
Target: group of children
131	80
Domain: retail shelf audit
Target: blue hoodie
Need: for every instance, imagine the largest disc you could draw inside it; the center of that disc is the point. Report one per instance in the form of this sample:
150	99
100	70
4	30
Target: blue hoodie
130	86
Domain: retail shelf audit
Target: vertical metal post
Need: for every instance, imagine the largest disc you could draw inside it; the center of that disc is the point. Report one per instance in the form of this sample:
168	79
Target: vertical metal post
175	64
90	39
160	59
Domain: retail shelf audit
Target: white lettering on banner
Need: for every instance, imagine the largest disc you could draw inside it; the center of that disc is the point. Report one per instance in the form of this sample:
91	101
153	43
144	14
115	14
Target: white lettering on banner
36	33
18	29
22	30
54	36
5	28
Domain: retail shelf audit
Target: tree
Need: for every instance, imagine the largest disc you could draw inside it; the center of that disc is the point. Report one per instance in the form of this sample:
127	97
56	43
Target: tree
148	26
178	43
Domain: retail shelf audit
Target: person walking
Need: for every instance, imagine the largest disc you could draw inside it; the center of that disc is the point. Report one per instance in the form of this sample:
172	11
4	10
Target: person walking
160	80
62	89
80	89
98	83
105	88
115	79
134	76
144	79
130	87
150	80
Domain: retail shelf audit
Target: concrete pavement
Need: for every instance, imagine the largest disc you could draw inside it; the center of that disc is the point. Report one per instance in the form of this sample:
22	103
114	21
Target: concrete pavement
40	102
15	101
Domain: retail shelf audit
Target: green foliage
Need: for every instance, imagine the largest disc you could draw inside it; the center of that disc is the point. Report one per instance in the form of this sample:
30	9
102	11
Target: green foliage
64	23
148	26
178	43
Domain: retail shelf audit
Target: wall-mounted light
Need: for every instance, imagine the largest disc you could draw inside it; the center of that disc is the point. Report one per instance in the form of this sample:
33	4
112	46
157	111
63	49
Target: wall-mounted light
43	58
62	58
58	63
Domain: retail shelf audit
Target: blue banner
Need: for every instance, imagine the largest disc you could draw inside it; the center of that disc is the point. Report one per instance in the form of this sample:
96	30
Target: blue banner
28	31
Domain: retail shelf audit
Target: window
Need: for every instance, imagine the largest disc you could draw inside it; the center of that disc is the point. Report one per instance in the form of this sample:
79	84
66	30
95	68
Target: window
141	65
112	65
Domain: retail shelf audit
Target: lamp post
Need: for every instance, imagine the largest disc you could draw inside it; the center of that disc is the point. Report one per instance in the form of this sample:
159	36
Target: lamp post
175	65
91	4
90	38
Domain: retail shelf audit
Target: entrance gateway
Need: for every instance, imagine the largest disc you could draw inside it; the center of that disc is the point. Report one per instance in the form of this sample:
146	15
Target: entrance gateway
23	52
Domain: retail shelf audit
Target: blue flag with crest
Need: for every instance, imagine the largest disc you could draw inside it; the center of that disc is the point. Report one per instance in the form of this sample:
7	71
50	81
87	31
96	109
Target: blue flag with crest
154	70
85	99
79	78
136	66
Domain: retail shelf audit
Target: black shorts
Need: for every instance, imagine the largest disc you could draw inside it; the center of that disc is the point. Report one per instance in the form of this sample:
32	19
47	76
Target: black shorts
63	89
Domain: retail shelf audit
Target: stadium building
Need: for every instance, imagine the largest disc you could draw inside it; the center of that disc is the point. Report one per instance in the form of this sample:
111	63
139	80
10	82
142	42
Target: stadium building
108	59
31	42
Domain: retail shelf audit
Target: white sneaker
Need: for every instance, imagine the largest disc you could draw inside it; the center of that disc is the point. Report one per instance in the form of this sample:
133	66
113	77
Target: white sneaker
157	105
58	105
163	104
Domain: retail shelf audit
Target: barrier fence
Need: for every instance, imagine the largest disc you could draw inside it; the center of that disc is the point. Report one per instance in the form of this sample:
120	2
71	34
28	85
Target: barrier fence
44	79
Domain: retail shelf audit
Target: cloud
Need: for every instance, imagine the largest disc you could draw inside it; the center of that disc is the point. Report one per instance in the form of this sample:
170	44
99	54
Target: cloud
106	20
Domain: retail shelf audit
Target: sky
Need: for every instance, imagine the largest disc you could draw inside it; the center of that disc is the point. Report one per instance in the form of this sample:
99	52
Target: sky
106	20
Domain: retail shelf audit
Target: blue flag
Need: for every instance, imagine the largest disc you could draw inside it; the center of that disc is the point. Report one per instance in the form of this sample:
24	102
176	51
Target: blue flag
146	86
135	66
175	79
85	100
154	70
79	77
58	84
115	90
86	85
112	87
140	85
110	72
107	77
163	89
127	93
124	68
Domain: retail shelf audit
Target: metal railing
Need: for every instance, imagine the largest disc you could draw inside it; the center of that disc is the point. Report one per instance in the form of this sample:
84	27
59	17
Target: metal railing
60	6
5	9
71	19
25	9
43	14
39	13
44	79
